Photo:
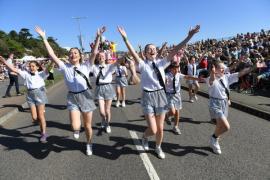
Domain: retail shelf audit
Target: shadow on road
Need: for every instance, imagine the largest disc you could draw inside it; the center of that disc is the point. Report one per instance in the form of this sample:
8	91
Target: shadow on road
20	108
56	106
178	150
13	139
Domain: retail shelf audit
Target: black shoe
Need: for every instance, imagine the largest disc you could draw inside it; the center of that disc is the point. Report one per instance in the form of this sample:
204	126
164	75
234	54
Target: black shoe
6	96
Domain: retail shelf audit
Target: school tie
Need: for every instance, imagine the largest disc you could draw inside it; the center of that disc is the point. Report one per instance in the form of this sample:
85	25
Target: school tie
193	70
226	89
99	74
84	77
32	74
174	87
119	72
75	69
161	82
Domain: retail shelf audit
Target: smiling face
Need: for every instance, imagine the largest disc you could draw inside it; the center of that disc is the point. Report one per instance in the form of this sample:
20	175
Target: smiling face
74	56
150	51
101	58
33	67
220	67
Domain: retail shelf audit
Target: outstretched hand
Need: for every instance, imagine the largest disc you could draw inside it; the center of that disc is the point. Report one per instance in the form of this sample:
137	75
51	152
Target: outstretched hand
122	31
40	31
101	31
193	31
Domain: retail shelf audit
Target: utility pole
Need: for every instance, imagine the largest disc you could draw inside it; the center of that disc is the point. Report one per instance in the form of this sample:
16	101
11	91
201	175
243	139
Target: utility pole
80	36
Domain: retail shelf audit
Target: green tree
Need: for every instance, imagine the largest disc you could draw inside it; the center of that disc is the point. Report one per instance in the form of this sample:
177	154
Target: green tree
13	35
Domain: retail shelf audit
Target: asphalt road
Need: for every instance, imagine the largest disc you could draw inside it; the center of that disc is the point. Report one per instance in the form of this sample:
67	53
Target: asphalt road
245	149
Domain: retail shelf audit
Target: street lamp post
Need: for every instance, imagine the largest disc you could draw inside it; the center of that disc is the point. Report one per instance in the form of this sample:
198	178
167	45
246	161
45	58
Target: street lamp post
80	36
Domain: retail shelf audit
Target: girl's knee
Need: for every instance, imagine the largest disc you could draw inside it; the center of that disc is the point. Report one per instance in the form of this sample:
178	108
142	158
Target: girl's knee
153	130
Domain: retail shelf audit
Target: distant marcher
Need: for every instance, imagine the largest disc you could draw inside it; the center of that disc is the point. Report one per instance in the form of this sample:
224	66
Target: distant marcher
13	78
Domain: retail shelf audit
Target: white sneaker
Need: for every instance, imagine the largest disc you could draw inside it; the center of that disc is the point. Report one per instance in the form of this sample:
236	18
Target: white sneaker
176	130
145	144
117	103
160	153
89	150
196	98
123	104
215	145
108	129
191	100
76	134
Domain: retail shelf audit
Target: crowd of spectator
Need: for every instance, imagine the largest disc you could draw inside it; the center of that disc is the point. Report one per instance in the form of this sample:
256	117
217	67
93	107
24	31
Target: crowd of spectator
239	52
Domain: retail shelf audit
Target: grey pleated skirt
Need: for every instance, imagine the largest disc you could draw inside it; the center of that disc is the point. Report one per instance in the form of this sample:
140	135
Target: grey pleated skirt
121	81
105	92
174	101
83	101
154	102
37	96
218	108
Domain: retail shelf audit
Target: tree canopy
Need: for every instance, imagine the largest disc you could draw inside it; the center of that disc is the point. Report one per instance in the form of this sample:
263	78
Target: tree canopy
22	43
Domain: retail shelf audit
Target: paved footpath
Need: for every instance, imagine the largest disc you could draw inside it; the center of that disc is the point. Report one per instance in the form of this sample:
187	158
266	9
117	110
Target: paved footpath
245	149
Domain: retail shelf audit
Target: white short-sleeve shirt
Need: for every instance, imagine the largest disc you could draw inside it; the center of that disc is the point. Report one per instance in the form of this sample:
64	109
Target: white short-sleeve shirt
74	81
107	72
190	69
33	81
216	90
169	82
122	70
149	79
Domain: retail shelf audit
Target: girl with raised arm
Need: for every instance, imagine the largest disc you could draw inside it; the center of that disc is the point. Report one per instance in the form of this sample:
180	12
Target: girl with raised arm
104	91
121	82
79	98
219	99
36	92
173	87
154	99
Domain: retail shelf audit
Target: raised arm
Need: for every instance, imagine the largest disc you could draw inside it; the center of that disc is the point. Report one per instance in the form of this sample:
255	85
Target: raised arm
191	32
129	46
189	77
94	51
247	70
47	45
212	75
160	52
10	67
141	52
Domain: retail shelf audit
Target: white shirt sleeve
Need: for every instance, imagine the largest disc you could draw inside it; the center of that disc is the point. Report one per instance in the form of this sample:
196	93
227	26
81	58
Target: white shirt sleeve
232	78
140	65
164	63
44	75
181	76
61	66
23	74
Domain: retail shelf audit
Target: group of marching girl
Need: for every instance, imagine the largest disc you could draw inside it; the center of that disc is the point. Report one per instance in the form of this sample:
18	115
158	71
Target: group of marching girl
160	91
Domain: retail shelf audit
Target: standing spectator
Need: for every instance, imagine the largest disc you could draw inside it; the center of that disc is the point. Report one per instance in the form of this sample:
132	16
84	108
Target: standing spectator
13	77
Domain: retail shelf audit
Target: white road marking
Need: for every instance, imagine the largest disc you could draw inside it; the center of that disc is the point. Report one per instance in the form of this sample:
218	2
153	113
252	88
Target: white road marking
146	161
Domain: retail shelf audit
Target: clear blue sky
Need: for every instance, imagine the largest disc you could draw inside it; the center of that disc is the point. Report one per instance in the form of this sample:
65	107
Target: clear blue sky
146	21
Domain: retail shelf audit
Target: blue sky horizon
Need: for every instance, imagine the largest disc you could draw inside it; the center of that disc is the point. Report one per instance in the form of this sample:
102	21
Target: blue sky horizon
146	21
